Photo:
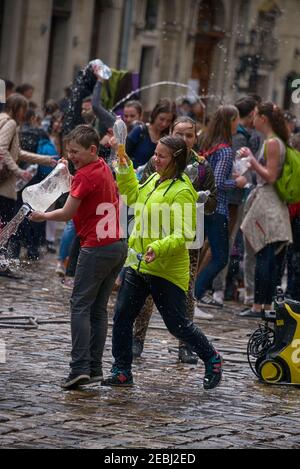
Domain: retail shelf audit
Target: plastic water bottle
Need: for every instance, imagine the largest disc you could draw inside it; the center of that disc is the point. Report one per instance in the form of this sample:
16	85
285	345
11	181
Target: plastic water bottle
192	171
133	258
120	134
42	195
139	171
32	169
241	166
203	196
100	69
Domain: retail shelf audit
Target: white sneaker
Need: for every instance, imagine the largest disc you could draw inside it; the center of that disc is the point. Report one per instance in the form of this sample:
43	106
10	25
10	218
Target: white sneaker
200	314
60	269
218	296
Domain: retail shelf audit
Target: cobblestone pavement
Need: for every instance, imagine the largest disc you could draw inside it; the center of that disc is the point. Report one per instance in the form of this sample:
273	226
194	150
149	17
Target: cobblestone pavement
167	408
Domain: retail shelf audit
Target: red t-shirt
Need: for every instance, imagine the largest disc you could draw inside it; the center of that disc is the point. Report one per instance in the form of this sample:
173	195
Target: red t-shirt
97	218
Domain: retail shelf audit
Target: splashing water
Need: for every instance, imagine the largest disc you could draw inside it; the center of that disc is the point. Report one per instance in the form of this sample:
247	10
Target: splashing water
11	228
160	83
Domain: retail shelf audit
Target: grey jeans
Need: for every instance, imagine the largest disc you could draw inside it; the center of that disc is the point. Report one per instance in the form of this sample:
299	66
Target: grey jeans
96	271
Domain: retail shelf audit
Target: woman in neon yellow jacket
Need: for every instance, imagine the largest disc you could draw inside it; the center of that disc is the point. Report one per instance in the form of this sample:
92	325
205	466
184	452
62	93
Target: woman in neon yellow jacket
165	222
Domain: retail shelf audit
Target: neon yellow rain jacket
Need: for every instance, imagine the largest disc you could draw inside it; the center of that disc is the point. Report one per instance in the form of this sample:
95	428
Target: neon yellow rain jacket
165	220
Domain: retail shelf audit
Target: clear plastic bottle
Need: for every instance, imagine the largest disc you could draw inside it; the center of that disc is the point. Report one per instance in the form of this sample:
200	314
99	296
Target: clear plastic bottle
133	258
203	196
100	69
120	134
42	195
32	169
192	171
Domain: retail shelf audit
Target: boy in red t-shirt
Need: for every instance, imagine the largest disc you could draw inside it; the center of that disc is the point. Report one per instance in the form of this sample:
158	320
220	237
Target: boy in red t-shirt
93	203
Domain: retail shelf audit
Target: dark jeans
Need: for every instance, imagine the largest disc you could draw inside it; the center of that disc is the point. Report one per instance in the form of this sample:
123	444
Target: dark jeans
73	257
216	230
7	207
96	271
266	273
170	301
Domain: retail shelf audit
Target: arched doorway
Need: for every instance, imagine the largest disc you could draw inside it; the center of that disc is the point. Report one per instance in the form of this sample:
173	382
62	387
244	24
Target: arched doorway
209	33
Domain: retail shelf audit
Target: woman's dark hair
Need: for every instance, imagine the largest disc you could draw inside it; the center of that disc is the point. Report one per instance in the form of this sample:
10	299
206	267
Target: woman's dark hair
30	113
178	149
136	104
163	105
14	103
183	120
219	127
276	118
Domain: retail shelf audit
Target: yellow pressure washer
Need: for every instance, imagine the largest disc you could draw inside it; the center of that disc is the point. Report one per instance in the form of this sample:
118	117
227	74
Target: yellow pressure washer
274	352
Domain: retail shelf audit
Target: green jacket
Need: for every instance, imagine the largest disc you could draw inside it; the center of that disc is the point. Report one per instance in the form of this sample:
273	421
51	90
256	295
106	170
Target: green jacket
176	198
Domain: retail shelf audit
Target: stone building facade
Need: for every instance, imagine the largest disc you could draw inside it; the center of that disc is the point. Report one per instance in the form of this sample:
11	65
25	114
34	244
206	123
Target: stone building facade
226	47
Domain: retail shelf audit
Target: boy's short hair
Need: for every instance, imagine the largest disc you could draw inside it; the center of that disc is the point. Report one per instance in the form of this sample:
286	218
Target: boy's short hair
246	106
84	135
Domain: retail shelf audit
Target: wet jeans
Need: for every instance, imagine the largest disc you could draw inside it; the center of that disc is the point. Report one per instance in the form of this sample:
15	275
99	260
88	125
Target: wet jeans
96	271
216	230
66	240
170	301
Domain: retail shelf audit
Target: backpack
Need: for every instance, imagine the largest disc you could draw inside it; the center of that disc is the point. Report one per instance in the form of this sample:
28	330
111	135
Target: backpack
45	147
288	184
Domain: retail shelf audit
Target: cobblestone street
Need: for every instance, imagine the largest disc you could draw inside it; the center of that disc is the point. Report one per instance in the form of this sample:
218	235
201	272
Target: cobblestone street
167	407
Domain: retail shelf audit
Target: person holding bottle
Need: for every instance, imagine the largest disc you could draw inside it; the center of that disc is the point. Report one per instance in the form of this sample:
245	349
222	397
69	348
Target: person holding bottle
183	127
164	270
102	252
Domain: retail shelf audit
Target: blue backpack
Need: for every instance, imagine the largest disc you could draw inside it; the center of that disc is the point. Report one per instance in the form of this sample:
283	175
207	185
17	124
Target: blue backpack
46	147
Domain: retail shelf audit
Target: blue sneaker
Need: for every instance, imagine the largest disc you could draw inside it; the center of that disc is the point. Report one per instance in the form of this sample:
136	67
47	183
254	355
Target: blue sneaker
118	378
213	372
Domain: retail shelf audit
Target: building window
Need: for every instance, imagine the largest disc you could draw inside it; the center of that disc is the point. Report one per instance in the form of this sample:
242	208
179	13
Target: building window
151	14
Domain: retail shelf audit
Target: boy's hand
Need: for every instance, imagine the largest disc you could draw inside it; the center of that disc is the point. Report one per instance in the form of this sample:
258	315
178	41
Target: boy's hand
37	216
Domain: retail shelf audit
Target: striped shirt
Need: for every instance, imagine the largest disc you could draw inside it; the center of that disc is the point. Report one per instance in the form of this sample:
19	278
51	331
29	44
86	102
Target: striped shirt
221	162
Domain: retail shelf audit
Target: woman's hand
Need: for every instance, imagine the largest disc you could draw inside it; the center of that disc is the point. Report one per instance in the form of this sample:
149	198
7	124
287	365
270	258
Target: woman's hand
244	152
241	181
37	216
150	256
26	175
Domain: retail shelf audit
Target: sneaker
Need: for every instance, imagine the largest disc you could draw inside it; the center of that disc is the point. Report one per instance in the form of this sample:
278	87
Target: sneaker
137	348
218	296
185	355
249	313
68	283
213	372
209	302
118	378
73	381
60	269
199	314
95	377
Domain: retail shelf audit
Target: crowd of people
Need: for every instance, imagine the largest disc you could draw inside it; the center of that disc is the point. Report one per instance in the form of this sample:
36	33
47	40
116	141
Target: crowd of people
231	162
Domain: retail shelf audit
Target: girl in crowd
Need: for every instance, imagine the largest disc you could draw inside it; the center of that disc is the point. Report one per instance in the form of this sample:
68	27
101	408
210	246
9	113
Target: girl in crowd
266	225
164	270
142	140
217	148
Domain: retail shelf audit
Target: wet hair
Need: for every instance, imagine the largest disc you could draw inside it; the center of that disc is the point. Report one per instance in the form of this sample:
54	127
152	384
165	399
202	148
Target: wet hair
84	135
183	120
164	105
136	104
276	119
14	103
9	85
30	113
246	105
24	87
219	127
51	106
178	149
